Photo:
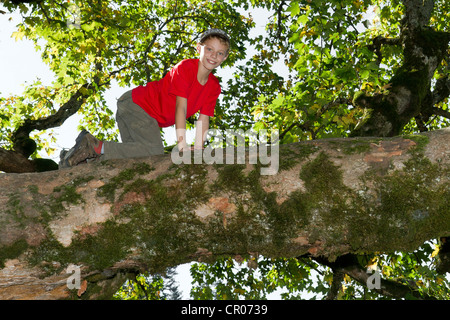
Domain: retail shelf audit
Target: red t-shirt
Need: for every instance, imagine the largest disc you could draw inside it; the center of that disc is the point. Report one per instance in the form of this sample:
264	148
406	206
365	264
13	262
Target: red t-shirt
158	98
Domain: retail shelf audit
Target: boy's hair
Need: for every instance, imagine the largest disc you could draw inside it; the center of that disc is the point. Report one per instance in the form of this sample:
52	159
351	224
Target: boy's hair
216	33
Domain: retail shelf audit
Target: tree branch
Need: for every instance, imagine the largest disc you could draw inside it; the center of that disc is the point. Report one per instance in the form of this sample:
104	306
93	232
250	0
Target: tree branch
421	124
442	90
378	41
336	285
55	120
220	210
443	265
441	112
348	264
23	146
14	162
307	125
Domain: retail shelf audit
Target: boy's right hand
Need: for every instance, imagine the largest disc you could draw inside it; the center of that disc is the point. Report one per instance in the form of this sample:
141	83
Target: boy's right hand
182	147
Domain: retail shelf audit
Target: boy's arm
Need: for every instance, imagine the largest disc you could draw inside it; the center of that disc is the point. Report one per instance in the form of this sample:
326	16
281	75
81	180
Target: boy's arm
180	122
200	131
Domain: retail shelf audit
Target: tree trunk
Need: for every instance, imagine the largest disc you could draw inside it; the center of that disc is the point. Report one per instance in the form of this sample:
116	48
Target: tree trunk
80	232
409	92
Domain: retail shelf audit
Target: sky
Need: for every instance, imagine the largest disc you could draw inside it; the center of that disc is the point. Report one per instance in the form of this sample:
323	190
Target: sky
20	65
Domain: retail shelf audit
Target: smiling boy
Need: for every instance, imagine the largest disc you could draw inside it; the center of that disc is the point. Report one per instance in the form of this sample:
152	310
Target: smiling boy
188	88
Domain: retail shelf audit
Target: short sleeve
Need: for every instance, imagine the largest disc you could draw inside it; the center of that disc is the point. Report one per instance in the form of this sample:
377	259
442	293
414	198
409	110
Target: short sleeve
210	102
181	79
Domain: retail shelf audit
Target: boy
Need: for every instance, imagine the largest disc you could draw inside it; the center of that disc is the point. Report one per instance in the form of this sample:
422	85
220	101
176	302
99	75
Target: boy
188	88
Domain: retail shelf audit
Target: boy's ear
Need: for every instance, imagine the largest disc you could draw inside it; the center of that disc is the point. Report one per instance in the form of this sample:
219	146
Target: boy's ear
198	48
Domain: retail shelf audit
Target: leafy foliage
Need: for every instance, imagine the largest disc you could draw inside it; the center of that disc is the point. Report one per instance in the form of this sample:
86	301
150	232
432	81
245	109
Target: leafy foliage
329	59
141	288
150	287
131	42
225	279
302	278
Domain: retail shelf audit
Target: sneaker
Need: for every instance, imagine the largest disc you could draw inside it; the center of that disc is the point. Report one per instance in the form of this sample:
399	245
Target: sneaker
65	154
84	149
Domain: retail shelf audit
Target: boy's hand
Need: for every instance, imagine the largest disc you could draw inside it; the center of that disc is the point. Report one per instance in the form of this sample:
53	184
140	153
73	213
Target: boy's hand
182	147
189	148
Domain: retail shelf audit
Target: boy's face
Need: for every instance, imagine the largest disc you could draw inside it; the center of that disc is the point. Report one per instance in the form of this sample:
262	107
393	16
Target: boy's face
212	53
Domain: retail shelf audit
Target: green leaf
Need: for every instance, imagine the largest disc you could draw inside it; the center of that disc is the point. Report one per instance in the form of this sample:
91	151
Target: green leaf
303	19
294	8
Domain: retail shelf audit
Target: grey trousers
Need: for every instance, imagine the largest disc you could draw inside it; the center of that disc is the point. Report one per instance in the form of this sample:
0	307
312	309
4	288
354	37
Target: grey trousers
139	132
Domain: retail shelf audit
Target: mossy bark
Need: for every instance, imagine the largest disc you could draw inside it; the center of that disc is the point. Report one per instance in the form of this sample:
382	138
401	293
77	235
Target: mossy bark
117	218
408	93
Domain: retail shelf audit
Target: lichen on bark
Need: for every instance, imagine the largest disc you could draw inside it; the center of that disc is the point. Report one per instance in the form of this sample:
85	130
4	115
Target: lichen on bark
331	197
